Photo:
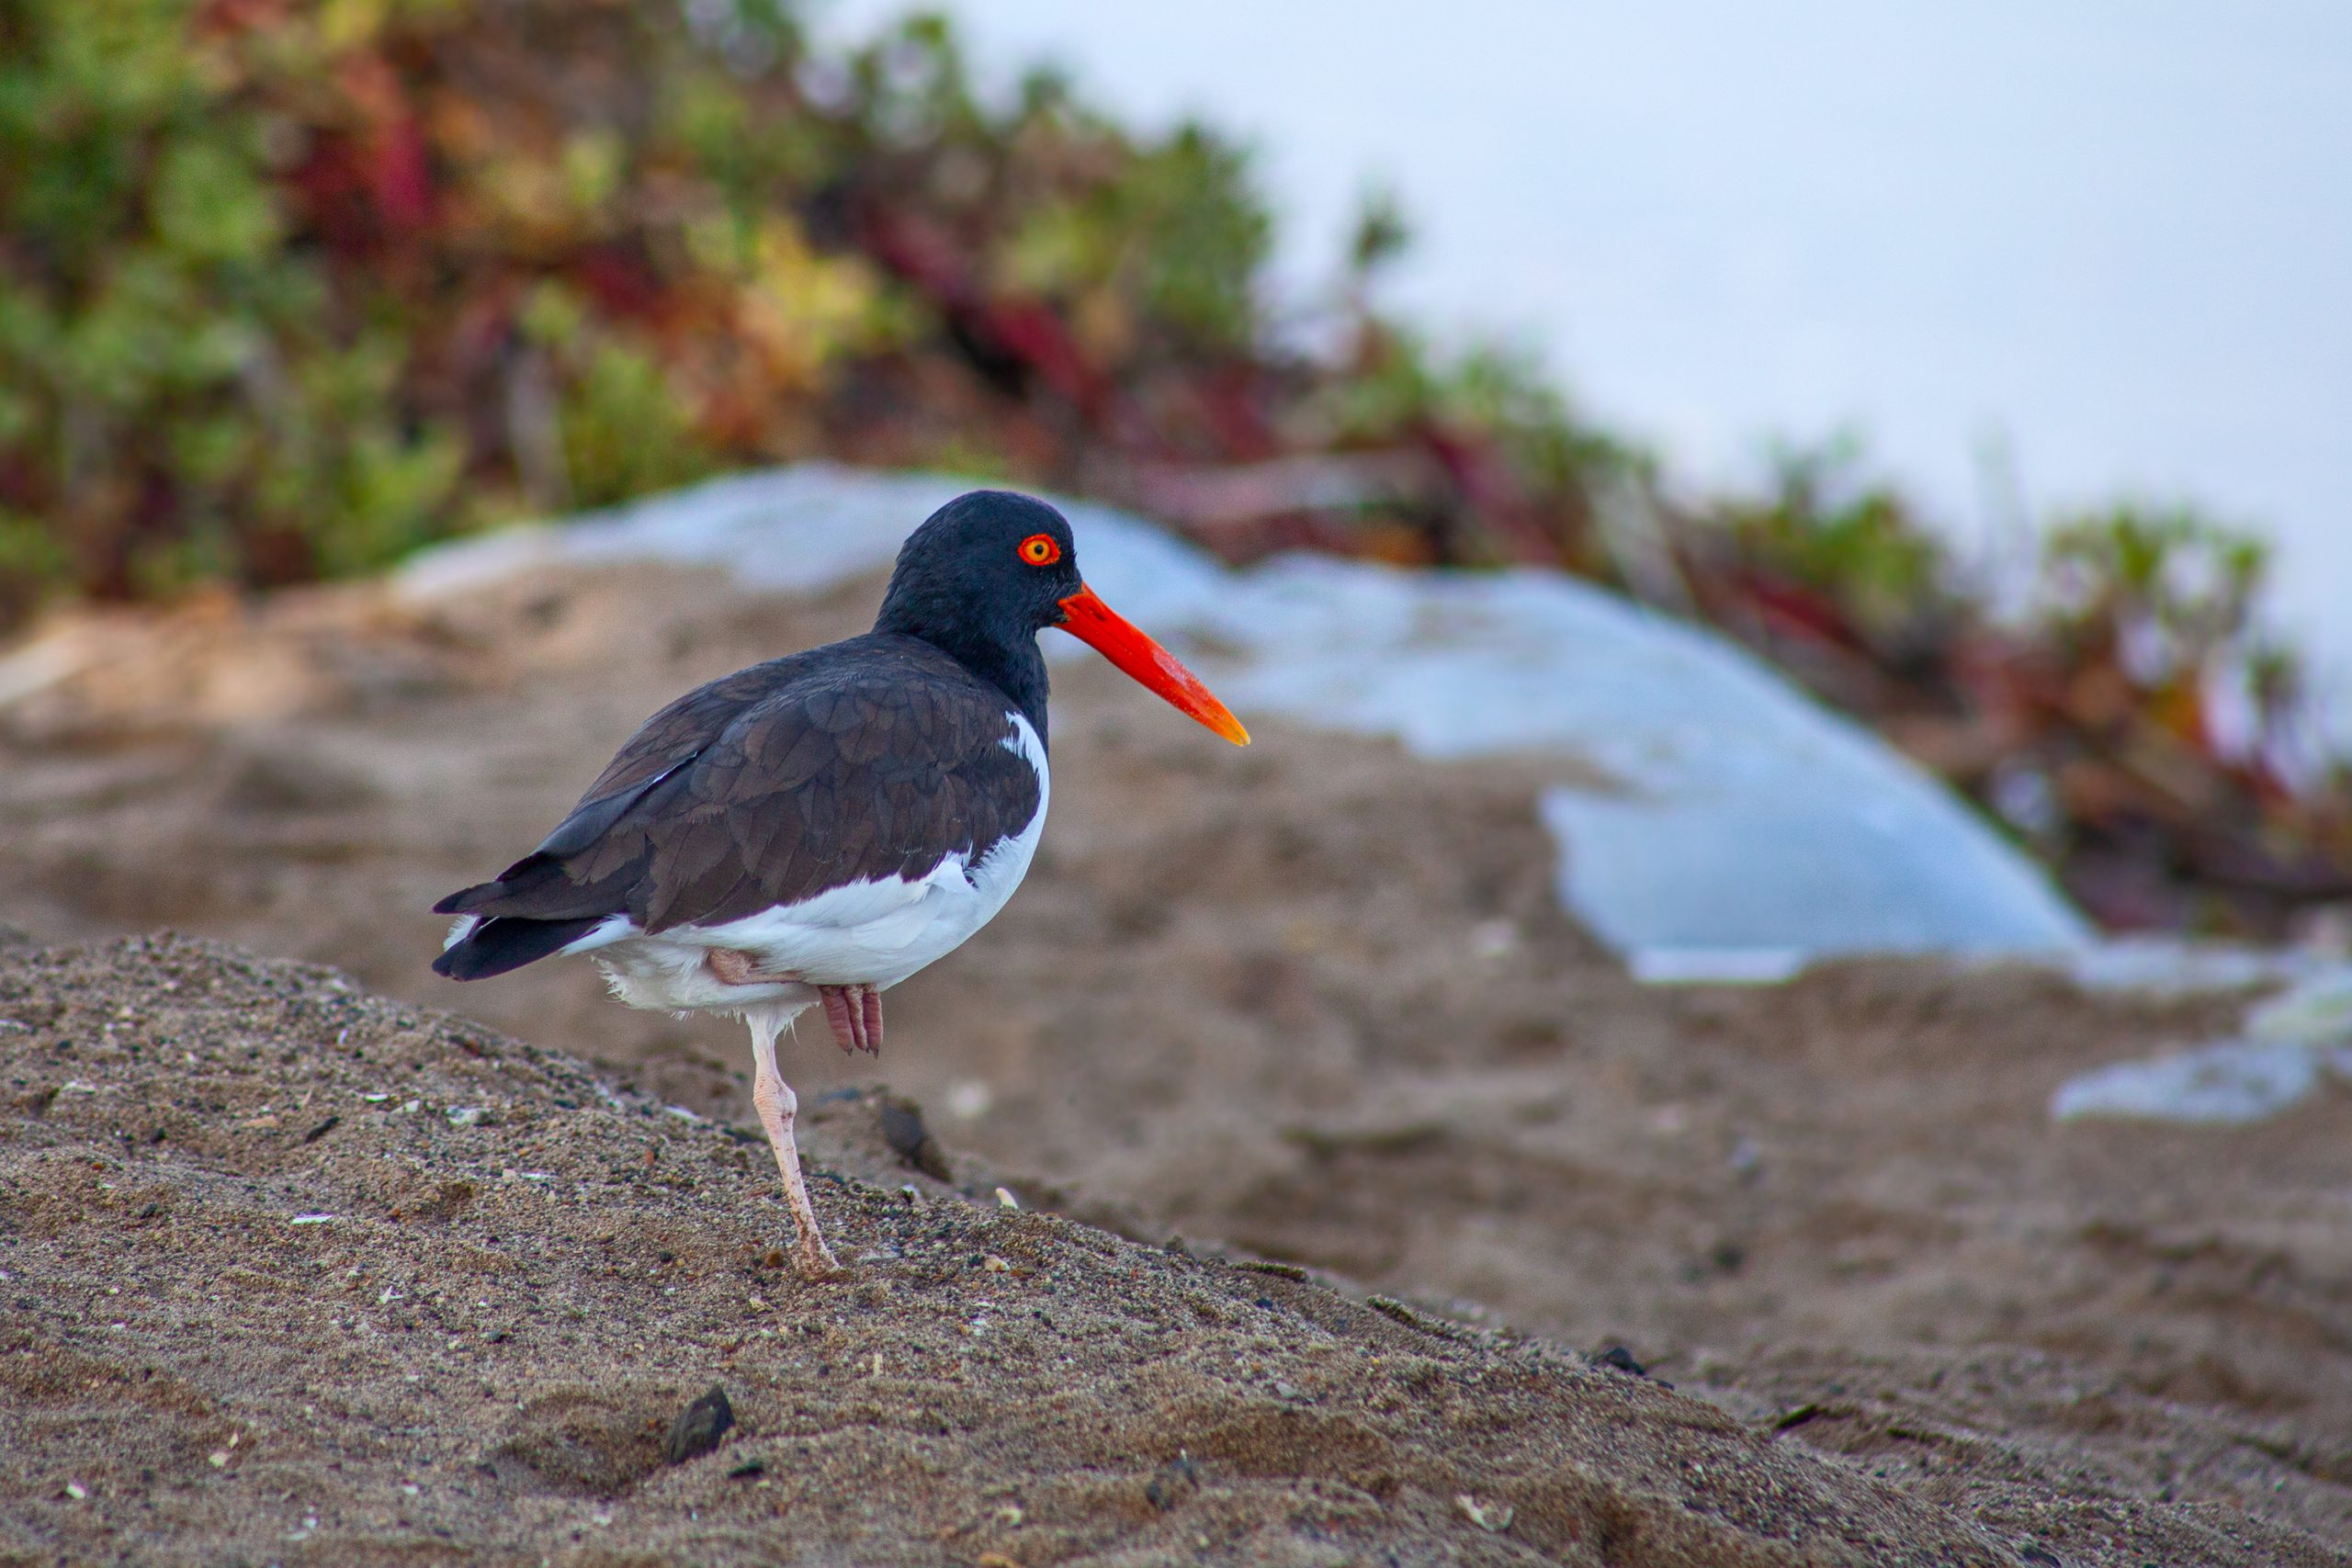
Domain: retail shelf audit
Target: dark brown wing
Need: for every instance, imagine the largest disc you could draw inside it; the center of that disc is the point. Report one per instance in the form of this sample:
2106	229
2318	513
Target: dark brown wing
872	758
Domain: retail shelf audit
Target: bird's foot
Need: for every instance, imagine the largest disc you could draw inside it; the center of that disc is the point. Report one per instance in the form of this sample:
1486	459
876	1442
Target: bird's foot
856	1013
816	1261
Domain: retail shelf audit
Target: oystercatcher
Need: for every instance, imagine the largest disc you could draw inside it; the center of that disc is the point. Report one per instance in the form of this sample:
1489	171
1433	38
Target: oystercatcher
817	828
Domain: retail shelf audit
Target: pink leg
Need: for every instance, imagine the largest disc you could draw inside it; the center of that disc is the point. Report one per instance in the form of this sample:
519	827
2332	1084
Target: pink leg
779	1109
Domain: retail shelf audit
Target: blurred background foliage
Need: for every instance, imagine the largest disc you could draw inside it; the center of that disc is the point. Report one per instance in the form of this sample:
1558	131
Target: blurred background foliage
288	288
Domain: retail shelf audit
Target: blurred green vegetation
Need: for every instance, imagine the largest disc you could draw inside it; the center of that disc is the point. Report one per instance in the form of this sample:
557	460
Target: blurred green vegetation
288	288
1828	526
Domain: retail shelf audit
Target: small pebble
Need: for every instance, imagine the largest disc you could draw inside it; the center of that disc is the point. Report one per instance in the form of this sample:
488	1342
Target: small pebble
1492	1518
698	1429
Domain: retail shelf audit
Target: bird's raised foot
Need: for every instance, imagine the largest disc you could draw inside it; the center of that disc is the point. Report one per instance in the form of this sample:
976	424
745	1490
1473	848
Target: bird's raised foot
856	1013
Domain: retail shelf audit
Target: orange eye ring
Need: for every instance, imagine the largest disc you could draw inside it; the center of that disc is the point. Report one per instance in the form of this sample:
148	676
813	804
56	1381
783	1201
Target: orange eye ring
1040	550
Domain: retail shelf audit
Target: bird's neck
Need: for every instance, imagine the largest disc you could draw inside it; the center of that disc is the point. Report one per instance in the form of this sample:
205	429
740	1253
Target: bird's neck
1013	665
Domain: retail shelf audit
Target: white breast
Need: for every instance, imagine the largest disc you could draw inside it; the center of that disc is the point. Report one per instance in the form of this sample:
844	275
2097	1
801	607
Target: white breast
870	933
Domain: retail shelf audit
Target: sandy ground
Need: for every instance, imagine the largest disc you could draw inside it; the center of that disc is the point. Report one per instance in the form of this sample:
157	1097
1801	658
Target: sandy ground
1314	1002
295	1275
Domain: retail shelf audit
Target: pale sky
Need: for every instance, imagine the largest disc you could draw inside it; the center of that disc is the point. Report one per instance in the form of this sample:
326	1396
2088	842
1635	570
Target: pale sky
2115	237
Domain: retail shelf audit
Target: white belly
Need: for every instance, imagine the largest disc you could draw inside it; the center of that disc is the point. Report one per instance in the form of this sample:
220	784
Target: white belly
867	934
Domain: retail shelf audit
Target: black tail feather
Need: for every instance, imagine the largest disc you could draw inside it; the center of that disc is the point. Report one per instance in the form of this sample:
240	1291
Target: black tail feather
528	876
506	942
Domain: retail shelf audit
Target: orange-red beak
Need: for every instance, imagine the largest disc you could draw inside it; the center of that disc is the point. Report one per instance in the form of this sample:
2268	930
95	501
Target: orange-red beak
1090	621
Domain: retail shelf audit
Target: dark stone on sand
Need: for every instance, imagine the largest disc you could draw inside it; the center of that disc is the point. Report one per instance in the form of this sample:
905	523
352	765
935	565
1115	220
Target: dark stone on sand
1618	1358
903	1130
1177	1480
698	1429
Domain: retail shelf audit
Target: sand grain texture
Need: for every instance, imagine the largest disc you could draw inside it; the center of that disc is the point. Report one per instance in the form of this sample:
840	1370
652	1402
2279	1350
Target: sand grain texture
526	1277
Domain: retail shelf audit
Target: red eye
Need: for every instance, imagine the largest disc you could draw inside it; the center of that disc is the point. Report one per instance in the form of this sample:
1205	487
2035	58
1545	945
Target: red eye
1039	550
